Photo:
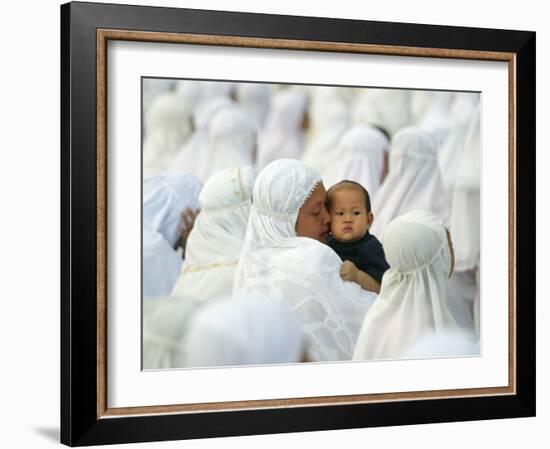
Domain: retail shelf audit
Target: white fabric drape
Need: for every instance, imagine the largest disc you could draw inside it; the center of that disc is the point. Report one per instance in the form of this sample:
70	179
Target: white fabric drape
283	136
463	291
359	157
243	331
165	323
300	271
216	240
161	265
413	181
443	344
412	299
465	220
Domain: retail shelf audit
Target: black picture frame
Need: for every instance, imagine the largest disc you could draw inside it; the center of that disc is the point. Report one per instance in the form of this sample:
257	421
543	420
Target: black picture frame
82	423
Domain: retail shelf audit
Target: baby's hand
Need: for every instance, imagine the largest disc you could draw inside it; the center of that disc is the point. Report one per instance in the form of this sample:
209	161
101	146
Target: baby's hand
348	271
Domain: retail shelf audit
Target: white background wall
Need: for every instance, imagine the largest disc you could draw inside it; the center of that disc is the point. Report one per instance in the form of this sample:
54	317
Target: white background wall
29	228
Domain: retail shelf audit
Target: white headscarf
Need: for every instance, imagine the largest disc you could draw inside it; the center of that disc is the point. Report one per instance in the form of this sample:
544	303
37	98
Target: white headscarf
359	157
167	128
413	181
243	331
164	198
283	136
388	109
412	299
329	119
254	99
435	118
300	271
191	154
231	142
216	240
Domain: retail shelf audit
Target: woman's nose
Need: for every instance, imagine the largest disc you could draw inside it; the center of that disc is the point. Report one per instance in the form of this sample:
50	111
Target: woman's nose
326	216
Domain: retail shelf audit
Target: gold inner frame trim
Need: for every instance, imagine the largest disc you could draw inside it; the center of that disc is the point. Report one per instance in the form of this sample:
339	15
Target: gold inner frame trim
103	36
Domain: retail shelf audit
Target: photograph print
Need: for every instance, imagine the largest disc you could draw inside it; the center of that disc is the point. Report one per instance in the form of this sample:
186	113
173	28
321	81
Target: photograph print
286	223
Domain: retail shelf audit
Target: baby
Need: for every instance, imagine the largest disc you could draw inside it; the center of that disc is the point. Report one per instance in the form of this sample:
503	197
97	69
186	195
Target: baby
351	218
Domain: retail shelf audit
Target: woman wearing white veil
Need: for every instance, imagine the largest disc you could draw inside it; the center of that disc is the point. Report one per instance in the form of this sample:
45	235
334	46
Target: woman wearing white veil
189	156
231	142
463	288
167	127
216	240
413	182
165	197
254	99
283	135
330	118
283	258
412	300
359	157
450	153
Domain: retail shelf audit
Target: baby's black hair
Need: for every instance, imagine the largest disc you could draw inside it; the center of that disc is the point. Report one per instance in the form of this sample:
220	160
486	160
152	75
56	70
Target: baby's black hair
349	185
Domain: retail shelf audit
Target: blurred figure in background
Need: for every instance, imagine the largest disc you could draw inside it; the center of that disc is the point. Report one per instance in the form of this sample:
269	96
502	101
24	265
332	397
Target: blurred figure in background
359	156
463	289
167	127
191	154
231	141
165	197
244	330
254	100
330	118
241	330
283	135
413	181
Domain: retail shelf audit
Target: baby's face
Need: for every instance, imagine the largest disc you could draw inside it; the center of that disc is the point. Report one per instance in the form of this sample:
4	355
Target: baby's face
349	218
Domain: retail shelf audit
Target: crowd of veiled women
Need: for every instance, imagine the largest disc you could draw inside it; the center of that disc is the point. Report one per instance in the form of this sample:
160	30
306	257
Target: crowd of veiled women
236	266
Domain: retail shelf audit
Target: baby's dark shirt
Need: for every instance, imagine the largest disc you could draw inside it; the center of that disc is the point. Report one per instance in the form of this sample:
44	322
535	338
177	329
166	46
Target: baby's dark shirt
366	254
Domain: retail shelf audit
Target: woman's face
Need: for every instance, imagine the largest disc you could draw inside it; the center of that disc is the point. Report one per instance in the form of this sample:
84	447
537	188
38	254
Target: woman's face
313	218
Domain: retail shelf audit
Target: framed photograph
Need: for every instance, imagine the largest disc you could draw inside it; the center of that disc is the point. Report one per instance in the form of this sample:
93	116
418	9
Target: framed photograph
124	377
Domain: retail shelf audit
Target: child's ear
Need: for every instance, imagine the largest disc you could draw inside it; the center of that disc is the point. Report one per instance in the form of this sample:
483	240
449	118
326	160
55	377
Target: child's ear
370	219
